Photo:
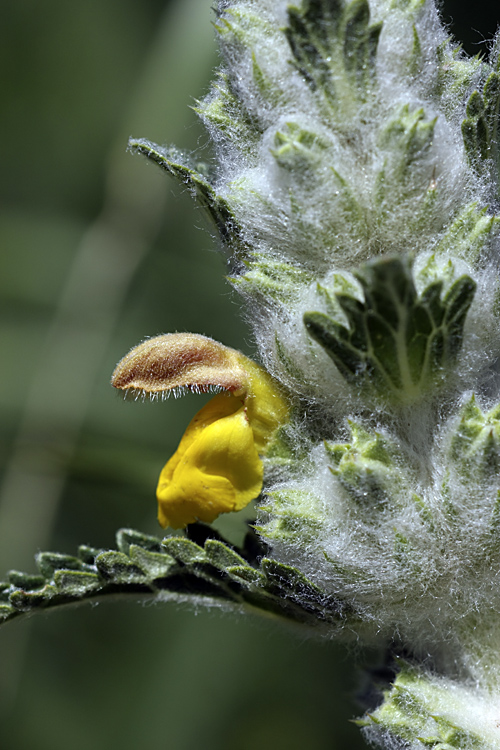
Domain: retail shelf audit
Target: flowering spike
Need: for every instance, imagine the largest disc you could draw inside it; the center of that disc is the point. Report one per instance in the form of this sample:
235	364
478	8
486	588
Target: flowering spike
356	189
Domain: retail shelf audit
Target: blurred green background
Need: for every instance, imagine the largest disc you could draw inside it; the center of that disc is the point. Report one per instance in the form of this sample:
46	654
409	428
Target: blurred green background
98	250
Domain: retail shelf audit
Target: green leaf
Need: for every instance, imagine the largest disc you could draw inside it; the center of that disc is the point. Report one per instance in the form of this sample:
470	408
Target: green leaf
127	537
360	43
156	564
222	556
25	580
184	550
179	166
76	583
146	565
49	562
118	568
397	343
247	574
6	612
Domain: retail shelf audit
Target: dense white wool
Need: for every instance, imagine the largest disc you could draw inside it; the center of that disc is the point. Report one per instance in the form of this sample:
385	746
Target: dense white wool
293	357
326	232
350	185
416	568
319	222
357	198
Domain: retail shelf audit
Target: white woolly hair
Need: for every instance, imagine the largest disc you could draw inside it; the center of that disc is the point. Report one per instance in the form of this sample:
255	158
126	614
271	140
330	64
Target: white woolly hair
474	710
411	577
337	215
414	568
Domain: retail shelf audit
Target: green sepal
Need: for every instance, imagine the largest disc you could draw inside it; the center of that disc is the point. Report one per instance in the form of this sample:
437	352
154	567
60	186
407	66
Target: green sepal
287	362
370	446
268	89
423	510
239	30
456	74
475	130
417	711
410	6
408	133
368	468
295	516
480	128
297	150
406	139
240	27
469	235
397	343
271	279
475	442
225	113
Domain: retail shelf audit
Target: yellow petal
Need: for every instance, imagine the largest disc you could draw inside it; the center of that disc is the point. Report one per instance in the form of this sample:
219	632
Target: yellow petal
216	468
267	408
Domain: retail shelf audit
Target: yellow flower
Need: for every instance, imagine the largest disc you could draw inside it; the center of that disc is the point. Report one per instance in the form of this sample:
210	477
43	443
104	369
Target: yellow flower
217	467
